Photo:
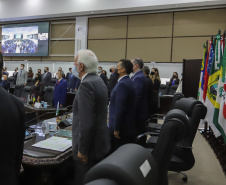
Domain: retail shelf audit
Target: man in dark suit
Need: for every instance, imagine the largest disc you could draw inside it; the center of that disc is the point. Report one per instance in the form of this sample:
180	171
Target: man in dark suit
149	90
102	75
4	83
74	83
60	92
15	75
139	81
12	135
46	77
68	77
122	106
90	137
112	80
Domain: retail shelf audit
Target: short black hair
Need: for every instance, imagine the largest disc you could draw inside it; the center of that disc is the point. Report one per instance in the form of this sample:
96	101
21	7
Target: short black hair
17	68
39	69
127	64
100	67
70	68
22	65
139	61
47	68
146	70
1	63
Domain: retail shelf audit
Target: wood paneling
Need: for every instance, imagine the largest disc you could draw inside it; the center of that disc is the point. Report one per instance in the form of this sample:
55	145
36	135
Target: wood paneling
62	47
150	25
157	50
57	30
108	50
188	48
107	27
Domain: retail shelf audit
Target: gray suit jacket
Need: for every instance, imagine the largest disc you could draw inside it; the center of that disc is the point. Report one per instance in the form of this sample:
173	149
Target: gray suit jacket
90	134
47	80
21	79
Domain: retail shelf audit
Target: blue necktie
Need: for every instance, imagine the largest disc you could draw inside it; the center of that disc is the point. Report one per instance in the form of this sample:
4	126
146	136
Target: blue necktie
21	72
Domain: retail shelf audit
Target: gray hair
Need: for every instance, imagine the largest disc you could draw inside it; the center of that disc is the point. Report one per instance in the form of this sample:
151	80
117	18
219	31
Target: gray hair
89	59
113	67
61	72
138	61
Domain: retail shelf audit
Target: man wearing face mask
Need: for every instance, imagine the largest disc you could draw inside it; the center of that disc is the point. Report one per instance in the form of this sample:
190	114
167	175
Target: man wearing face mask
139	81
60	92
122	107
102	75
22	76
46	77
5	71
4	82
90	137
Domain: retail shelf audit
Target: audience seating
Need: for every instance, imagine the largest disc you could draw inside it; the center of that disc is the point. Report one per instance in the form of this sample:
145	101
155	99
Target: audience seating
11	80
128	168
18	90
48	96
25	92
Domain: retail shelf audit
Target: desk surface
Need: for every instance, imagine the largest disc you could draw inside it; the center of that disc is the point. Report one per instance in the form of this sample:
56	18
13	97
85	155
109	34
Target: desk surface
39	156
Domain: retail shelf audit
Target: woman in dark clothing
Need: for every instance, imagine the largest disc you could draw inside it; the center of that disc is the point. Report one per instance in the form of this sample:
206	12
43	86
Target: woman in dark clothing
30	73
36	90
155	78
173	81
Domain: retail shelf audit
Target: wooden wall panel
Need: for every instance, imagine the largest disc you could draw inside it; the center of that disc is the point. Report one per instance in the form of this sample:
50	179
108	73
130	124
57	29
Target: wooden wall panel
107	27
188	48
108	50
150	25
58	58
62	47
198	23
157	50
57	30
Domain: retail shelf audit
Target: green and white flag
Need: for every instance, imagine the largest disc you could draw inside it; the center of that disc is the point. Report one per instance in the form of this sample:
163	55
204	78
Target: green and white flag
58	109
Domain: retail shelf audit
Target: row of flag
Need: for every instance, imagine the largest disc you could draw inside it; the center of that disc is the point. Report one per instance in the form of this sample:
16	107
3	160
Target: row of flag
212	85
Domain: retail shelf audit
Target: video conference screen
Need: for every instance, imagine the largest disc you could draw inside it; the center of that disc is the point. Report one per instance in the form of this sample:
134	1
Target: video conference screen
30	39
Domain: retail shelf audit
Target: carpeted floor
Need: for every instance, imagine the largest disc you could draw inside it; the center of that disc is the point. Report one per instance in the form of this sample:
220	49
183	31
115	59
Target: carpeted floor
207	169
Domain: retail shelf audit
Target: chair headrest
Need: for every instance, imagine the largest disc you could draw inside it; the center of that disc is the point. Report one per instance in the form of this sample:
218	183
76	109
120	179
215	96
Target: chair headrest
49	89
188	104
27	88
181	117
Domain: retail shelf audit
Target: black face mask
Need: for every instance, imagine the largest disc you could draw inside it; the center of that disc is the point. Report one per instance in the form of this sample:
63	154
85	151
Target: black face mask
45	71
110	70
39	72
174	76
152	73
29	70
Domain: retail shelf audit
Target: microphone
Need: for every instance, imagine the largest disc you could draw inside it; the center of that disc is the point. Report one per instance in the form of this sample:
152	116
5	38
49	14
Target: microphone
39	117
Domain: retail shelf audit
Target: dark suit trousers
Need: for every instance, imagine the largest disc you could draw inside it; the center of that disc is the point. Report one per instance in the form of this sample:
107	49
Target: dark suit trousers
81	170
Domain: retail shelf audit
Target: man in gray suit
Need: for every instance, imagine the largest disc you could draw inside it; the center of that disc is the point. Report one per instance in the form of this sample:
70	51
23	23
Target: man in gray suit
90	137
21	76
46	77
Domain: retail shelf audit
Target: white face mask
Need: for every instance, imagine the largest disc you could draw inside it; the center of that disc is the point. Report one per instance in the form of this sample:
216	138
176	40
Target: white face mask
75	72
21	68
3	78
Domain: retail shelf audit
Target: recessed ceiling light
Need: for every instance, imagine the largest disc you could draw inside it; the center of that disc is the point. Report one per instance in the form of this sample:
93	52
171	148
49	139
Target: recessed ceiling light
92	12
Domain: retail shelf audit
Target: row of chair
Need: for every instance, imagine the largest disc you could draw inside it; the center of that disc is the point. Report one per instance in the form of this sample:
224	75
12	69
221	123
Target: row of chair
23	92
150	162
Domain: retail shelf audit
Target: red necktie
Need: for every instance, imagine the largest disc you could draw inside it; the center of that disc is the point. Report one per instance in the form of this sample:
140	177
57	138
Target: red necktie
58	82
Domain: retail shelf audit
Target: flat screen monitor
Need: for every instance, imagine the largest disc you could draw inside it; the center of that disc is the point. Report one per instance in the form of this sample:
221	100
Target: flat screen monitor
31	39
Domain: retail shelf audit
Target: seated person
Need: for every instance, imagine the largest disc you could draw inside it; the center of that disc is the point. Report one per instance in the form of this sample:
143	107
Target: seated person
4	83
74	83
173	81
36	90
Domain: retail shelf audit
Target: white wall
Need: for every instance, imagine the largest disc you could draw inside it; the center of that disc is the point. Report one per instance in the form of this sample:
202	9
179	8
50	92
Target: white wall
36	9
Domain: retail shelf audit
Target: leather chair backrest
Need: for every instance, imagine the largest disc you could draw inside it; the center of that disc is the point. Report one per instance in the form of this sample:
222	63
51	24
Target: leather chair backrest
176	97
48	96
102	182
195	111
175	128
130	164
26	91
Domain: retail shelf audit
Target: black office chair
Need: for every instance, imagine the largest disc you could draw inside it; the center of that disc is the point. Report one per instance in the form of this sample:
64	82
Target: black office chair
183	158
53	82
48	96
25	92
173	89
11	80
151	123
134	165
162	89
18	90
102	182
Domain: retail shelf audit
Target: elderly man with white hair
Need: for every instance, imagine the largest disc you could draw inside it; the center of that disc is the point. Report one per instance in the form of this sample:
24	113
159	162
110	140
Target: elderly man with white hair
90	137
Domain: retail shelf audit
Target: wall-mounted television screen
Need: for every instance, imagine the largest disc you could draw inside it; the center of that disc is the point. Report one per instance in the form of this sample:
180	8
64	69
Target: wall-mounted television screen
30	39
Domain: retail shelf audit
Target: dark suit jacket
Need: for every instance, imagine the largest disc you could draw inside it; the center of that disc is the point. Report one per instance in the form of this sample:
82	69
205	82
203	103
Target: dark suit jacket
74	82
139	81
149	94
60	93
122	107
5	84
47	80
112	82
104	78
12	135
89	129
